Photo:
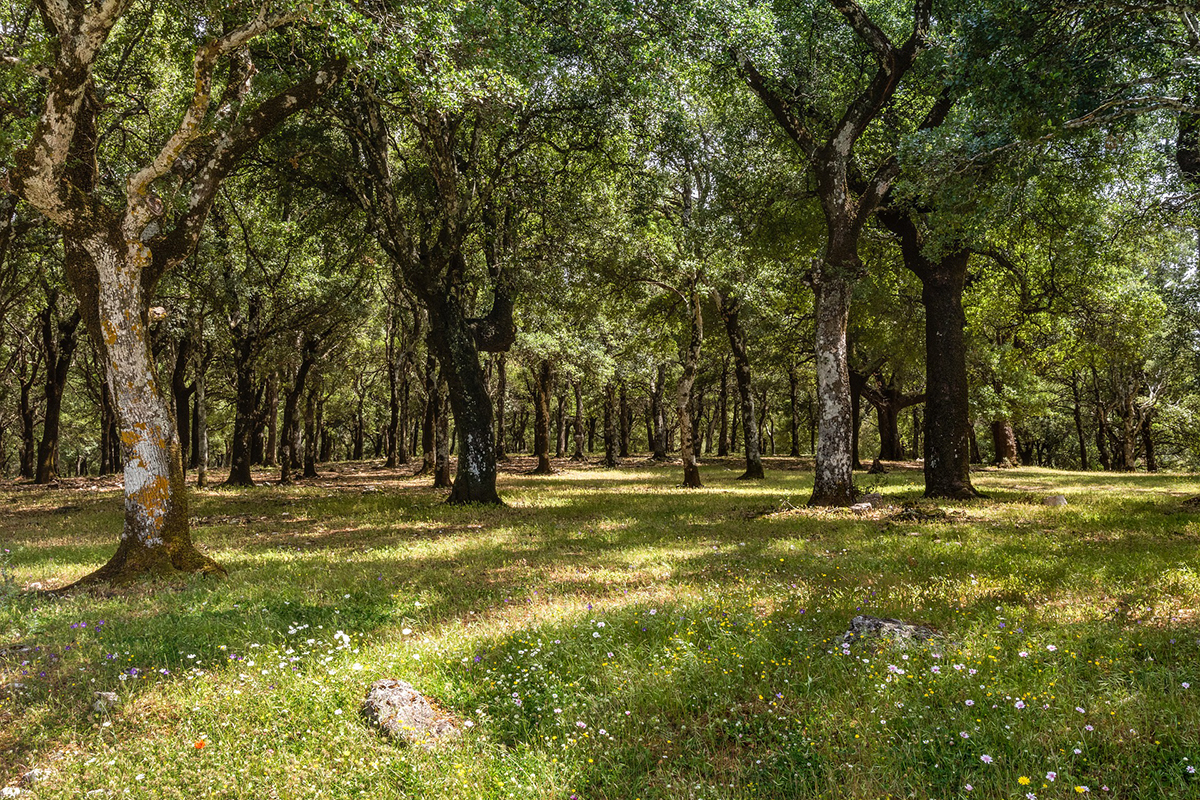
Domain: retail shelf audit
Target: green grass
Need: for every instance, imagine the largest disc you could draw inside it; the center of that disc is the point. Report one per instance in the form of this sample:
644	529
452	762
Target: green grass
662	642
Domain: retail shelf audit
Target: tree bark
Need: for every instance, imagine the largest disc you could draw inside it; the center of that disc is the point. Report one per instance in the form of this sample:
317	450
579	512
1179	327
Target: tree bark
271	409
610	427
181	392
578	423
683	395
1078	415
58	343
730	308
833	483
501	404
429	423
794	406
947	408
201	430
857	382
626	426
541	419
244	332
1004	443
1148	442
441	464
658	442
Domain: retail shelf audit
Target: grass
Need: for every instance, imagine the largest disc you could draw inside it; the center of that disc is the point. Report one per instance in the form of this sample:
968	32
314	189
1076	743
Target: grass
609	635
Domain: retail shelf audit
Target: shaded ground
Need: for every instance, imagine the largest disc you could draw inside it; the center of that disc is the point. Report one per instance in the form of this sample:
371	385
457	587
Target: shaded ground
661	642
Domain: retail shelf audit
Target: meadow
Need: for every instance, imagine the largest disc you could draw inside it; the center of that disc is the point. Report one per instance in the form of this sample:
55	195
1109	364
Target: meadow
609	635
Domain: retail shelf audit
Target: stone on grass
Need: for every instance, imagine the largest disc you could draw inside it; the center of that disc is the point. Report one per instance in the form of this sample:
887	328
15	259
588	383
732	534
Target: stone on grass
404	714
860	508
874	498
880	629
105	701
1055	500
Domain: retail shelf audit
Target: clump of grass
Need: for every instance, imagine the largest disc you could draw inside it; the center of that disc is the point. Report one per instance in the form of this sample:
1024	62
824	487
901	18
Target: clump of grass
611	636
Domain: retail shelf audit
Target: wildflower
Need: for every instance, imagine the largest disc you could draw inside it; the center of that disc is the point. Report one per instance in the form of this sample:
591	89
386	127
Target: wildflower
199	744
964	734
1191	770
1050	776
653	611
935	670
969	787
970	702
1088	728
1081	789
985	758
1019	704
1023	780
1051	648
1024	654
1186	685
580	724
1080	710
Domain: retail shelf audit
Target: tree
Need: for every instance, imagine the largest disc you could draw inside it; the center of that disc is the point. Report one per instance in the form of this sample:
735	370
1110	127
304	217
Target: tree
121	237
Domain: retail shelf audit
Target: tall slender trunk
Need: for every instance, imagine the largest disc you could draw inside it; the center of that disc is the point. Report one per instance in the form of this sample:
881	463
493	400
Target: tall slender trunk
658	441
310	432
429	423
723	410
245	334
501	404
28	412
683	396
541	420
857	381
441	464
109	436
730	308
833	483
1148	441
560	423
201	429
578	431
794	408
1078	415
181	392
626	426
610	427
271	409
392	459
59	341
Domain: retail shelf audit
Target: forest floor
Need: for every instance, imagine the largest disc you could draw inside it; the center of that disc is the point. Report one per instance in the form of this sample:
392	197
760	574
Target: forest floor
609	635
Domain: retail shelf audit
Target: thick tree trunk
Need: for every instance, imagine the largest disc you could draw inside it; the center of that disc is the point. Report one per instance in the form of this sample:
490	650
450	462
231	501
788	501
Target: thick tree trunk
458	351
610	427
541	419
59	342
578	454
730	308
1004	444
155	538
833	483
501	403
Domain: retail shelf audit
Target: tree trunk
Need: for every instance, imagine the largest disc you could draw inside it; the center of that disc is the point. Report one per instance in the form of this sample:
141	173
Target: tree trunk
1148	441
310	433
155	537
658	440
394	438
1004	443
441	464
723	410
429	424
541	420
1078	415
578	454
501	400
683	395
181	392
59	344
730	308
560	421
245	335
201	430
626	426
833	483
28	413
271	448
110	438
794	405
610	427
857	381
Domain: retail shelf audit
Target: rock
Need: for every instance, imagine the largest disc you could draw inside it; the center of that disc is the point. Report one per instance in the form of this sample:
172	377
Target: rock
897	632
33	776
874	498
105	701
1055	500
860	508
403	713
876	468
